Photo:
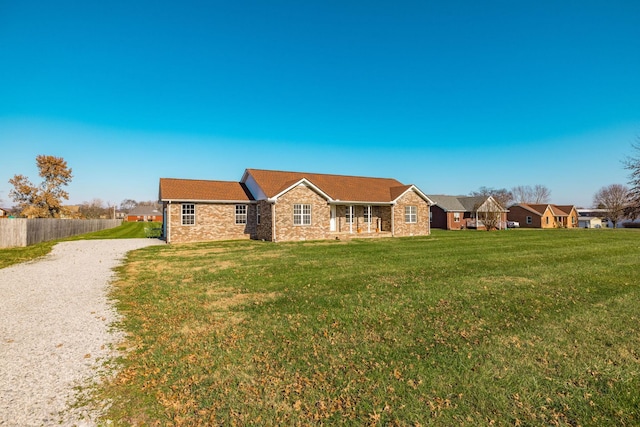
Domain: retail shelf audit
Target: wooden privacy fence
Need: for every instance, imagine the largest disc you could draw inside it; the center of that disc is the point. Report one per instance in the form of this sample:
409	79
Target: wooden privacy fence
25	232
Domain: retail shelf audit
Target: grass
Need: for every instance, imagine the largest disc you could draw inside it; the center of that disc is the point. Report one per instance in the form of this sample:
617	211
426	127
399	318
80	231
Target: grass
128	230
524	327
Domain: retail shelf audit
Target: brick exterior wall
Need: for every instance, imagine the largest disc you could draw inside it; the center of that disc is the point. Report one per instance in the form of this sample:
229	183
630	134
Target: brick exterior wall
264	230
213	222
285	230
519	214
421	227
217	221
446	220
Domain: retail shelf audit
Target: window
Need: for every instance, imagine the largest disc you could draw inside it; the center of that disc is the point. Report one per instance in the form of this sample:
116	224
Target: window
349	215
258	214
301	214
367	215
529	220
456	217
188	216
241	214
411	214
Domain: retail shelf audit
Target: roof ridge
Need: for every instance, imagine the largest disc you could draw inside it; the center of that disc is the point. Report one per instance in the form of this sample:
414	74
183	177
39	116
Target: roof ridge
323	174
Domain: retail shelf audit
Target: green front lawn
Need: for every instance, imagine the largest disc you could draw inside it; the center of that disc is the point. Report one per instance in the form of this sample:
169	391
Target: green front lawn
128	230
520	327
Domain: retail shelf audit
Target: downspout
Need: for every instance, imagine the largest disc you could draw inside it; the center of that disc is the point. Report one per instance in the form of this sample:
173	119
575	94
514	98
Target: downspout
168	223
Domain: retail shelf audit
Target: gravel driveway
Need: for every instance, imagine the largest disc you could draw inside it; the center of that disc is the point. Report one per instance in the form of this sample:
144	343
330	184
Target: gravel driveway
54	330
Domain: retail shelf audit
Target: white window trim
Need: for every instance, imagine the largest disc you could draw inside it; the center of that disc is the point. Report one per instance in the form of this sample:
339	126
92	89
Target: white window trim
185	216
241	218
411	214
301	214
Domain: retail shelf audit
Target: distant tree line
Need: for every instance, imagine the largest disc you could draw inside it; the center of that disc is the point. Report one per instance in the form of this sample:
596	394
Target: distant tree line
45	200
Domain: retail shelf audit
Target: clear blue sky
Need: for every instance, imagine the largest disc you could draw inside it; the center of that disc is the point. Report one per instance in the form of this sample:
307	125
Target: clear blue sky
448	95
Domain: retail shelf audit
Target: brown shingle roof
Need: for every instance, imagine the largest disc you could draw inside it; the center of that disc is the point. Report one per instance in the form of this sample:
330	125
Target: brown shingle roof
539	209
202	190
338	187
556	210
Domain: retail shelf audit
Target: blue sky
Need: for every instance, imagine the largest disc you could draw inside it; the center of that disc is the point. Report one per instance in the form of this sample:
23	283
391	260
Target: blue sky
449	95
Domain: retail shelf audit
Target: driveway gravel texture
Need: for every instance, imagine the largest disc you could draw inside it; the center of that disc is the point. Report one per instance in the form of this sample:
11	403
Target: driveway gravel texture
56	331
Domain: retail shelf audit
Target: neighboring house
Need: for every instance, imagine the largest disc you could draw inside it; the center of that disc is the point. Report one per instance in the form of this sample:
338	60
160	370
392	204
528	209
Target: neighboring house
588	218
591	218
458	212
287	206
144	213
544	215
4	213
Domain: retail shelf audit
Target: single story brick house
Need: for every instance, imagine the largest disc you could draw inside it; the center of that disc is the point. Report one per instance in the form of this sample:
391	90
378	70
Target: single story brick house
458	212
289	206
544	215
144	213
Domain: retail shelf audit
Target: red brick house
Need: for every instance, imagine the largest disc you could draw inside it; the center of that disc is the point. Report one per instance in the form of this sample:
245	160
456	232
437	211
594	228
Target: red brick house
544	215
144	213
458	212
288	206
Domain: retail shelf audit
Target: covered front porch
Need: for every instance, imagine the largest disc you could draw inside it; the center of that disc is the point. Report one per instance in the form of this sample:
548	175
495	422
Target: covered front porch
363	220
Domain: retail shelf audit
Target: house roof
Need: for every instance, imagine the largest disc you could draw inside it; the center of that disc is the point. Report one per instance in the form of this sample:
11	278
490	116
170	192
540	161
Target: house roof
459	203
145	210
448	203
337	187
539	209
202	190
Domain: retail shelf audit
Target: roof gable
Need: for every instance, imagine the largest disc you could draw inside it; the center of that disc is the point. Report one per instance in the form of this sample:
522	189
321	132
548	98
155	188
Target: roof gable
202	190
463	203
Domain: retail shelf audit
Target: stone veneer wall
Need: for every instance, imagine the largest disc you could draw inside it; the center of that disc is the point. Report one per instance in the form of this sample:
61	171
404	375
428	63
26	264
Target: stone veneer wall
213	222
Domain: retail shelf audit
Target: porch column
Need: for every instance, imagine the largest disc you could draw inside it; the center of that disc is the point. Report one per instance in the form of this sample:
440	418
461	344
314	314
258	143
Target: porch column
351	219
369	216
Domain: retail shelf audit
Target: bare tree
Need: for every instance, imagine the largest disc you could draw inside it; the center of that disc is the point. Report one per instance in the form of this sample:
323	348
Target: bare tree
500	195
541	194
490	214
128	204
535	195
614	199
633	165
94	209
44	200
